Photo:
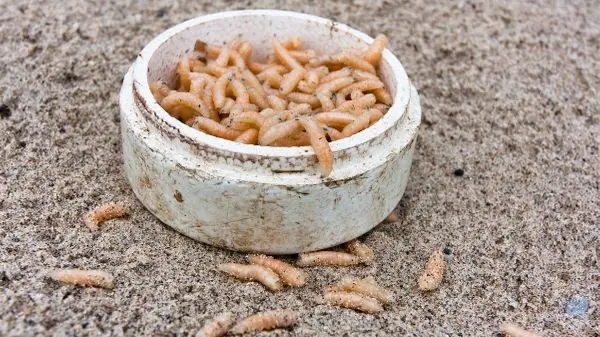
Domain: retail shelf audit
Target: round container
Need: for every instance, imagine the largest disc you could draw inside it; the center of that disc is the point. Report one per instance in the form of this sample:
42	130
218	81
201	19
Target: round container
257	198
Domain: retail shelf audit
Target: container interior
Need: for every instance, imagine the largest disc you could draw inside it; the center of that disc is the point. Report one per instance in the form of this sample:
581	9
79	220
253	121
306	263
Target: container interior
324	36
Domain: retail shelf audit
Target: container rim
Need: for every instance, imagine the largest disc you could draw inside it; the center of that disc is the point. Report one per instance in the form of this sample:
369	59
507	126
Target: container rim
144	96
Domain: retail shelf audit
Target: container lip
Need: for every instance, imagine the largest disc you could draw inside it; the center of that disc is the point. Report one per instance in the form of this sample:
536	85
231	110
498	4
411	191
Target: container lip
144	96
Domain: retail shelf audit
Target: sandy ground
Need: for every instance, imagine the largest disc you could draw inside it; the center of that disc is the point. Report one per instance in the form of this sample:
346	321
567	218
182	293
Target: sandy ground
509	93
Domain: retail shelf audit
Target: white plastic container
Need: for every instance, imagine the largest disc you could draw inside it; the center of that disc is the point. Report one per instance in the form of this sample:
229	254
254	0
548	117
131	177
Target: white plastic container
256	198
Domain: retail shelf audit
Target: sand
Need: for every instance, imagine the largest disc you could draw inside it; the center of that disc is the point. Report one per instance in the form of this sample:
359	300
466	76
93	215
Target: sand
509	94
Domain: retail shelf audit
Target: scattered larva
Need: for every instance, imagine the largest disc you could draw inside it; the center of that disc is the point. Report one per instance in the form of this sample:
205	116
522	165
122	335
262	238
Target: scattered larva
80	277
103	213
364	252
511	330
253	273
217	327
269	320
393	217
327	258
366	286
353	301
289	274
434	272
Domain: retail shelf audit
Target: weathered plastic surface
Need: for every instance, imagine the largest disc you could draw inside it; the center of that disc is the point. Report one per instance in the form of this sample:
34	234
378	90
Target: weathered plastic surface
255	198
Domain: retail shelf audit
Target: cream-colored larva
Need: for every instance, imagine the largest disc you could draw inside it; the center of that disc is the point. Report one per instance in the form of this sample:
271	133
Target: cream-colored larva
320	145
373	53
333	134
275	319
289	274
277	103
160	90
255	90
297	109
302	56
335	119
361	75
252	118
356	94
366	85
358	105
353	301
335	84
355	61
511	330
360	123
245	51
344	72
278	131
383	96
239	91
253	273
434	272
250	136
223	58
325	100
80	277
214	128
300	97
283	55
227	105
292	43
217	327
327	258
361	250
290	80
183	70
220	88
272	120
322	71
392	217
187	99
237	59
339	99
242	107
104	212
366	286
